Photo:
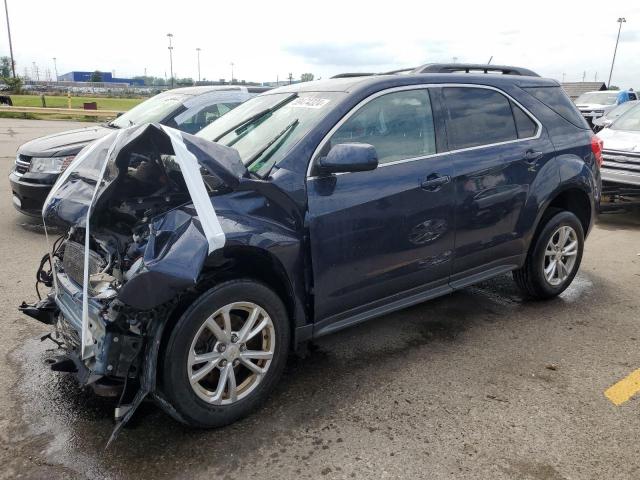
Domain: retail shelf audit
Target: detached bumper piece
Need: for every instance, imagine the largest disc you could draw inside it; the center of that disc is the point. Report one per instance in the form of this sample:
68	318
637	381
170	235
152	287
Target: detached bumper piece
45	311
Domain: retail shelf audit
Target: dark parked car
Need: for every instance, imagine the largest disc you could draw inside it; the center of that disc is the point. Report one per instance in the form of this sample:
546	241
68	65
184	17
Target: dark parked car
40	161
303	211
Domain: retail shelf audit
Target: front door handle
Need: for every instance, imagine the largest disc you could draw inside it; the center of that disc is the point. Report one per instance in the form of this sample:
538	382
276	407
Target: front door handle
434	181
532	156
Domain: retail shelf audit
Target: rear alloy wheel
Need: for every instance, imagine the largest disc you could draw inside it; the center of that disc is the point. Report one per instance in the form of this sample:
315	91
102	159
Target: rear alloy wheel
560	255
226	353
554	257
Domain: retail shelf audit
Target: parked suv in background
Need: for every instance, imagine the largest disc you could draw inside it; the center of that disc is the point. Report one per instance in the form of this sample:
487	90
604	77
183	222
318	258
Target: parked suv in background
593	105
306	210
39	162
609	117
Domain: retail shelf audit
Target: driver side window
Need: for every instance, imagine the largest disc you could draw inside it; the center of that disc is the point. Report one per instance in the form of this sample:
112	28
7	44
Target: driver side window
399	125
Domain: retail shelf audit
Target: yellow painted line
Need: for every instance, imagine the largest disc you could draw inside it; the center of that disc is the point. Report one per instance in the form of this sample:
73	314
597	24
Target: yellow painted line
624	389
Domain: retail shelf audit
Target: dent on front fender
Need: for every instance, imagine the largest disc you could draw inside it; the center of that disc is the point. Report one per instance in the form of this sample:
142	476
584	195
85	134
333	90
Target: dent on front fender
172	261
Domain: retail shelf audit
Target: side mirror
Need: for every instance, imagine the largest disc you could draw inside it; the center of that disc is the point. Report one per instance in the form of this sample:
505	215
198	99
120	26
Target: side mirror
349	157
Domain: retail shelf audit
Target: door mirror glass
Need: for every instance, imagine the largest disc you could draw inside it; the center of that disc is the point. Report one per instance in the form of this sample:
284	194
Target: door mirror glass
349	157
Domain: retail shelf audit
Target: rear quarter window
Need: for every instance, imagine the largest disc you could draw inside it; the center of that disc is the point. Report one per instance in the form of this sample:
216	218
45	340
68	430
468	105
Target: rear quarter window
557	100
525	126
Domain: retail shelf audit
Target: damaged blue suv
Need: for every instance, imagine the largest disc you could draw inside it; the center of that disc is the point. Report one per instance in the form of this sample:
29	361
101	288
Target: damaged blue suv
192	265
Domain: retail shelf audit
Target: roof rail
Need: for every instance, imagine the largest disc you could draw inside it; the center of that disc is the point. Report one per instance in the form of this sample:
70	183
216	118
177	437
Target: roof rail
351	75
400	70
474	68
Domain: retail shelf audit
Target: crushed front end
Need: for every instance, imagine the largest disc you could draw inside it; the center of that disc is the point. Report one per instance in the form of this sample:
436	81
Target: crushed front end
140	225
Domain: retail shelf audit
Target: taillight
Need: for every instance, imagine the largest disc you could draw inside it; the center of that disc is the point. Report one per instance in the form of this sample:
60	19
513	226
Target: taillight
596	147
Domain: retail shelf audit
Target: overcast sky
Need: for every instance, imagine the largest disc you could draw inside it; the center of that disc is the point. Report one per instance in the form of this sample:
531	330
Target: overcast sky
266	40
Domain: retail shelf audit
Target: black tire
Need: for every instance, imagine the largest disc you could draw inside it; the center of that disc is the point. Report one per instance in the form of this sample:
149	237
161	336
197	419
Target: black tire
530	278
192	409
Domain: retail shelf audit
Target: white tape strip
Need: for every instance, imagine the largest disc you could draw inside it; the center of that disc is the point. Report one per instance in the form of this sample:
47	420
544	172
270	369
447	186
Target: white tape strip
190	169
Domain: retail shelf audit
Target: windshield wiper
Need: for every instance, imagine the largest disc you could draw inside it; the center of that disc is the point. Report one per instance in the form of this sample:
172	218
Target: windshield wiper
89	180
253	118
286	130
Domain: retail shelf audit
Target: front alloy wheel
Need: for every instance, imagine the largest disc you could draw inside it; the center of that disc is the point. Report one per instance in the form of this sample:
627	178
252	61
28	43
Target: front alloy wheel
225	354
231	353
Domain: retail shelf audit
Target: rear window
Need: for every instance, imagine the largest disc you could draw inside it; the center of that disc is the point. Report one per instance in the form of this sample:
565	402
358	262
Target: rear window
557	100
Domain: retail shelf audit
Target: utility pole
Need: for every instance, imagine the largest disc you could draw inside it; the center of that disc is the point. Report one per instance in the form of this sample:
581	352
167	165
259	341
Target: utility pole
55	68
170	35
231	73
13	63
455	59
620	20
563	76
198	50
290	78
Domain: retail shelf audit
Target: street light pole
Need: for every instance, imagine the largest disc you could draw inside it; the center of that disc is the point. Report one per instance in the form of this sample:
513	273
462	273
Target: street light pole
13	63
231	73
198	50
170	35
620	20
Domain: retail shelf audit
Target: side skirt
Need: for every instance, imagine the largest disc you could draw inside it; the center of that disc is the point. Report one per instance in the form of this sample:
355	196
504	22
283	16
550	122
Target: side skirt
333	324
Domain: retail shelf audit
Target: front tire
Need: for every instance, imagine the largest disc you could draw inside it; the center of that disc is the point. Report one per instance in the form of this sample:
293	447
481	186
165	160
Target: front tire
554	257
226	353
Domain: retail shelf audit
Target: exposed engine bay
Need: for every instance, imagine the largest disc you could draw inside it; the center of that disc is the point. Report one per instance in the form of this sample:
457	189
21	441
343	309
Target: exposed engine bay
140	227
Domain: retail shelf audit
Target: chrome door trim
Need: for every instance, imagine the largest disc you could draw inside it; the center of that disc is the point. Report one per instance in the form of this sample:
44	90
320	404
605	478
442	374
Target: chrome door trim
346	117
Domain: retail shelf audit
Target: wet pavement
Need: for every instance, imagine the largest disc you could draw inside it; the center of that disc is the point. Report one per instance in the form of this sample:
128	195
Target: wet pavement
477	384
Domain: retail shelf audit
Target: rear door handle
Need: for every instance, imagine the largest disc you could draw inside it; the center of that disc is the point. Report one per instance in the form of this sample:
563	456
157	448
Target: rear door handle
434	181
532	156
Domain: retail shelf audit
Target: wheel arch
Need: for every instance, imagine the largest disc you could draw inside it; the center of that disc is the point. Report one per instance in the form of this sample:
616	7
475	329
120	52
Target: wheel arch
234	263
573	199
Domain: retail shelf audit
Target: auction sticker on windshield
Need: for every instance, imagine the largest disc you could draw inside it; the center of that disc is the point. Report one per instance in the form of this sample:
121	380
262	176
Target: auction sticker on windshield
309	102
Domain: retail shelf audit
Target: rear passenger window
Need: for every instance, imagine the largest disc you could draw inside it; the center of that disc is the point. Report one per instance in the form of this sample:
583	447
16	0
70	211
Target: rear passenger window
524	124
477	116
399	125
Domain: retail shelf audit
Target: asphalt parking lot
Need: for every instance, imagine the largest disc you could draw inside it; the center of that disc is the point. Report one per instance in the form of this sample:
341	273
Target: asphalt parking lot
479	384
